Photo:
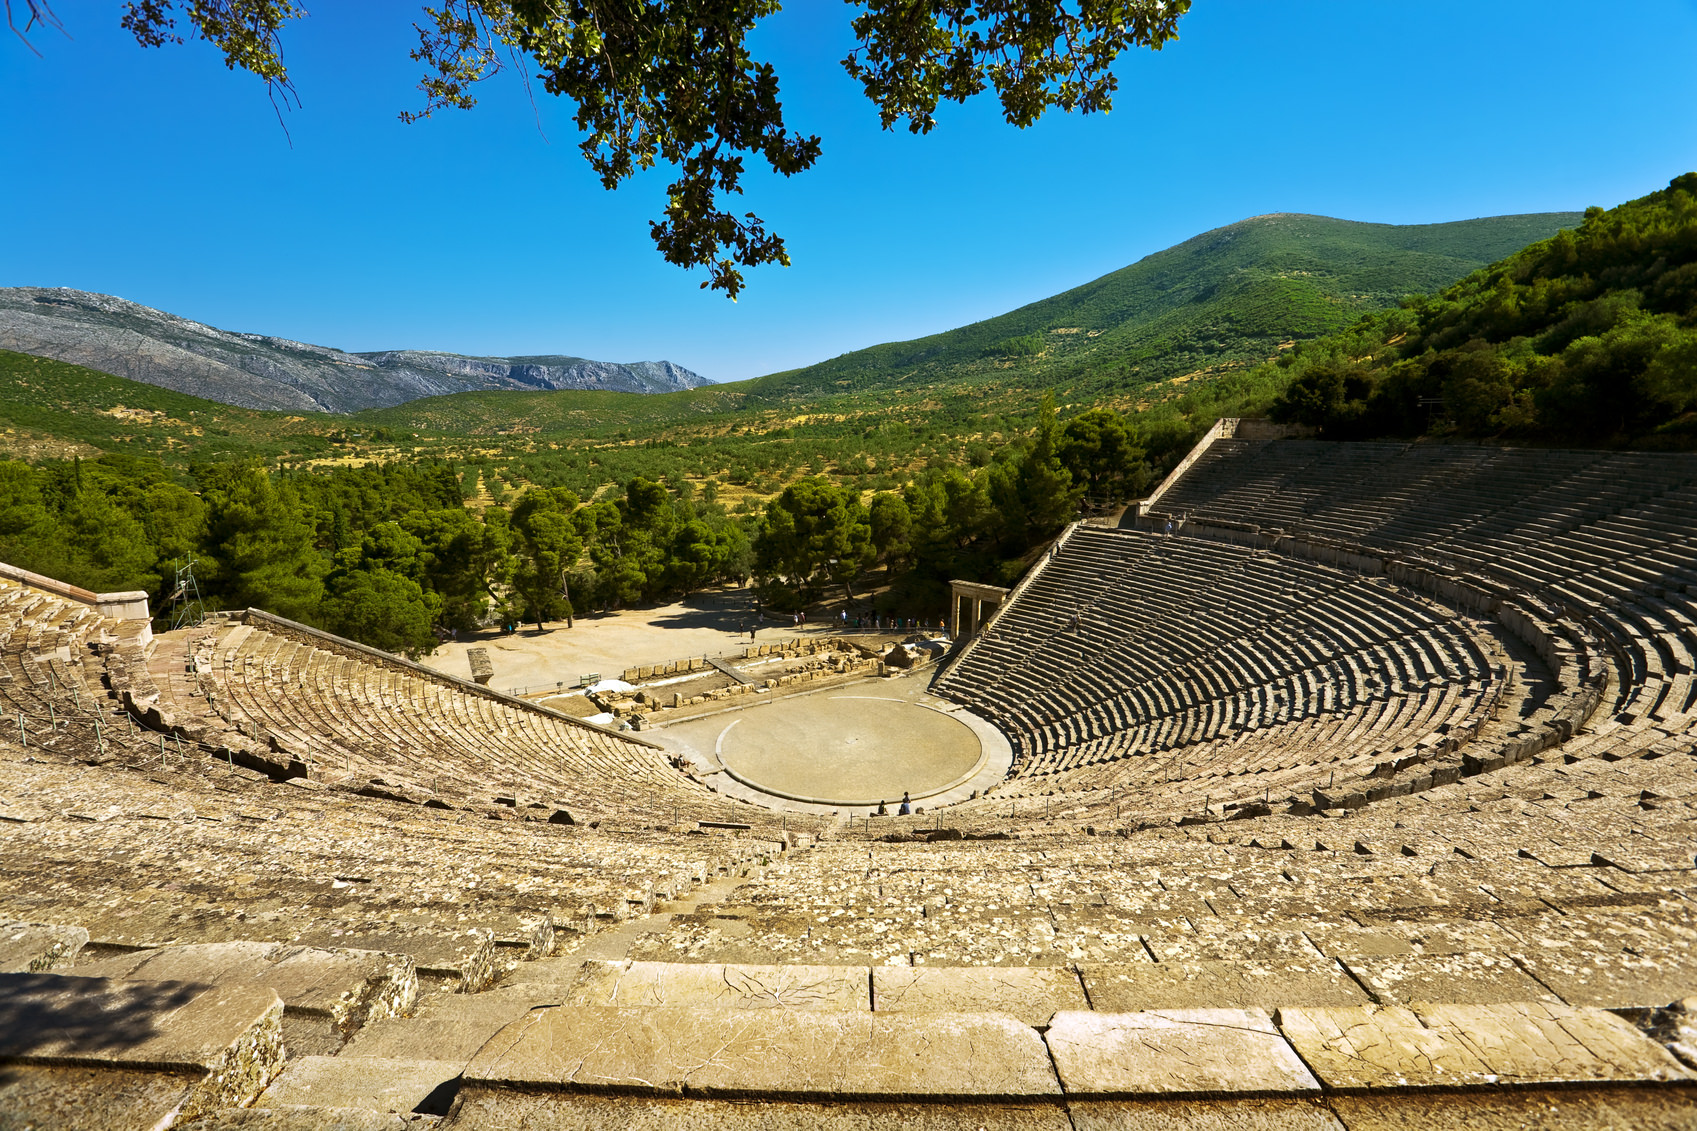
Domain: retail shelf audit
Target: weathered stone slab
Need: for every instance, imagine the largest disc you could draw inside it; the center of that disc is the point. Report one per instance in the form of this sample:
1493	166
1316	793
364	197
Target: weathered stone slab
1619	979
1448	1046
227	1038
716	984
1559	1109
375	1083
1202	1115
482	1110
1031	993
1550	1043
310	1119
347	987
68	1098
1374	1047
769	1054
36	947
1180	1052
1129	987
452	1027
1473	979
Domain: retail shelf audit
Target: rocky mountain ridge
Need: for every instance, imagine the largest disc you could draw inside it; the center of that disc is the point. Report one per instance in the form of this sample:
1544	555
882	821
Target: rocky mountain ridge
126	339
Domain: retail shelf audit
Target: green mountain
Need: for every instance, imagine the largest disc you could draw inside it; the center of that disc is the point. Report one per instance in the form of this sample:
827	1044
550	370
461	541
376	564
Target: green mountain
1225	299
1587	337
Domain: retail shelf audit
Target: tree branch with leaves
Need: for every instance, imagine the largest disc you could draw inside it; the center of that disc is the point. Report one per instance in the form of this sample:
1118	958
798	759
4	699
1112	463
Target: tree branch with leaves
673	82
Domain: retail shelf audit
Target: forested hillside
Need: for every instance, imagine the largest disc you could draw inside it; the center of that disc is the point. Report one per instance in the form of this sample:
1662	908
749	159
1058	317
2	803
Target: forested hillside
1227	298
1588	337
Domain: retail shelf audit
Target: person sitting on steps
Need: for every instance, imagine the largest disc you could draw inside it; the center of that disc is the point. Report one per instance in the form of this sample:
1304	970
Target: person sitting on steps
906	807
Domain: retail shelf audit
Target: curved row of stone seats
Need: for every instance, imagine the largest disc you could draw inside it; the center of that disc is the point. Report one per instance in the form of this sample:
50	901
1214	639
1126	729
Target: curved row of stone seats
53	695
209	854
1606	535
304	703
1186	663
856	1047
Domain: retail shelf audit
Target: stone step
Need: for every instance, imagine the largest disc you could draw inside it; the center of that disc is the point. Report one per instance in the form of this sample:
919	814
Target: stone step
767	1054
382	1084
36	947
818	1056
327	994
217	1045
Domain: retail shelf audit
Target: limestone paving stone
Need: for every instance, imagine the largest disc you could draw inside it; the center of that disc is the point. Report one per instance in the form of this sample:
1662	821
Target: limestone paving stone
1474	979
1458	1046
480	1109
1550	1043
36	947
448	1027
376	1083
74	1098
303	1118
1182	1052
346	987
1031	993
1219	1114
764	1053
715	984
1562	1109
1379	1047
1128	987
227	1040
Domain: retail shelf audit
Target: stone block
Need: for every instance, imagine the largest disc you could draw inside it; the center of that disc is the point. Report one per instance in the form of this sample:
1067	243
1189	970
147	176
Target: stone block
768	1054
345	987
1551	1043
1217	1114
227	1039
453	1027
1257	984
1450	1046
716	984
374	1083
72	1098
483	1110
1354	1048
1560	1109
36	947
1474	979
1031	993
1181	1052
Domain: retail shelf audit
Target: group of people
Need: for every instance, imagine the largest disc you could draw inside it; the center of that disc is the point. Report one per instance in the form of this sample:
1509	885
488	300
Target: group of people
906	807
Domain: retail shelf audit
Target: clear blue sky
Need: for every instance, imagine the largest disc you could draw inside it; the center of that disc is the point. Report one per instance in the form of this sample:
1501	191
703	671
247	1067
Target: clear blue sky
161	177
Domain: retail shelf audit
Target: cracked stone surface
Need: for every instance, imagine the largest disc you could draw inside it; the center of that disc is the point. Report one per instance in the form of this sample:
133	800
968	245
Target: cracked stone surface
1175	1052
1451	1046
716	984
1124	988
768	1053
1031	993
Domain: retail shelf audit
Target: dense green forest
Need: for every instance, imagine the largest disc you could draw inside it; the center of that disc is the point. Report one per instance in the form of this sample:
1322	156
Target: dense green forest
1588	337
391	555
